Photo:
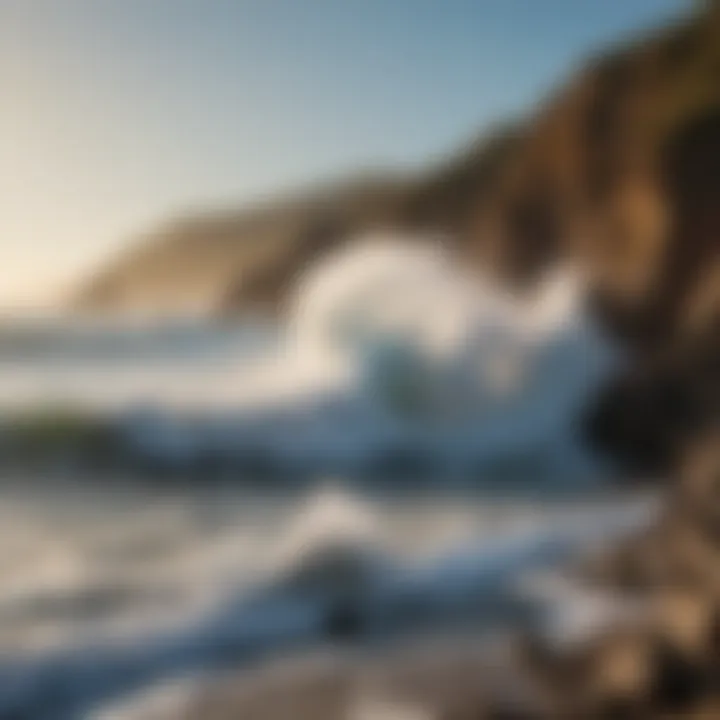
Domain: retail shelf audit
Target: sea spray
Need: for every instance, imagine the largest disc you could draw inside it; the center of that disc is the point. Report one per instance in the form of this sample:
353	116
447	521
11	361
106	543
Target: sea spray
392	356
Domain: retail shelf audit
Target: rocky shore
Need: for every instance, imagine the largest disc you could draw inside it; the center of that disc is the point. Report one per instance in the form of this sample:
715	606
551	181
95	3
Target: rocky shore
655	657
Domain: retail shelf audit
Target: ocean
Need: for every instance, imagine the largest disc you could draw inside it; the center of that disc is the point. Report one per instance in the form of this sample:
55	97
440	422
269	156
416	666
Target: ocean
404	446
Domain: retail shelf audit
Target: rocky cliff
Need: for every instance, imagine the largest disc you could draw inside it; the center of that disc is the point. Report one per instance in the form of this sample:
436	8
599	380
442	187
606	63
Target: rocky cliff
618	168
621	171
233	262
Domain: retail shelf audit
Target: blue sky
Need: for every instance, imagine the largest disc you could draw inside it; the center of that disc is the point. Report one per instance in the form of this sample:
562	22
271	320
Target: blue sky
119	113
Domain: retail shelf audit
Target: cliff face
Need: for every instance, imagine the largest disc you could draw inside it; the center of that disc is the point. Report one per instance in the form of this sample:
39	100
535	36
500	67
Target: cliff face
230	262
234	262
622	171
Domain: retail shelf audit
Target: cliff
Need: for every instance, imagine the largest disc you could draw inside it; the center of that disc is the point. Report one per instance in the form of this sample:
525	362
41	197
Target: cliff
621	172
232	262
619	168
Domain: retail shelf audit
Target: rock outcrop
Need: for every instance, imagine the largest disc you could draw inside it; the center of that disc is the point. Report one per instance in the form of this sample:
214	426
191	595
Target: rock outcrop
621	172
667	664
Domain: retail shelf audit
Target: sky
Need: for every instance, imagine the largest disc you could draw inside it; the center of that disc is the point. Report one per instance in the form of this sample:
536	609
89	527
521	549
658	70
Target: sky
117	115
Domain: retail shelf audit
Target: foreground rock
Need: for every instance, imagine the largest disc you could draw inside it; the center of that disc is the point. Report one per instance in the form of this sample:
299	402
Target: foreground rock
666	665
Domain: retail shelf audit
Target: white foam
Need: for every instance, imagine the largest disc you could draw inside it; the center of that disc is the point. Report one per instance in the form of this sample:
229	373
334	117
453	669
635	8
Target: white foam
333	544
390	338
390	341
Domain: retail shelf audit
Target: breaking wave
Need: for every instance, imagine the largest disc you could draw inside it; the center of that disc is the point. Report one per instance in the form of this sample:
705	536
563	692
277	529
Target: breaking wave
393	356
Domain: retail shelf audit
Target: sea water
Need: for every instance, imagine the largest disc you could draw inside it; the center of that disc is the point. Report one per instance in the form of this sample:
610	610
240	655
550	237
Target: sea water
110	587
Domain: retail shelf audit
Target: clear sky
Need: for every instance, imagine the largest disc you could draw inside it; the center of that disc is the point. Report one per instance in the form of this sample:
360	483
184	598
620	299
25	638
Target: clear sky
117	114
